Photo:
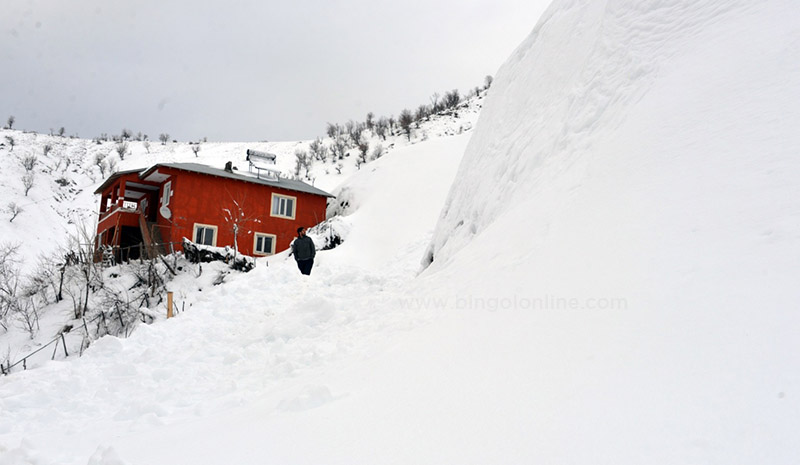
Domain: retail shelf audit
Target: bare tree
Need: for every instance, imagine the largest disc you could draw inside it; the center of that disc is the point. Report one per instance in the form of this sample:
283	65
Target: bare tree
381	127
339	147
146	146
112	166
354	131
405	122
9	281
370	120
27	315
61	131
27	182
122	149
10	121
164	138
83	274
452	99
195	149
11	142
363	150
237	220
99	160
47	149
13	210
318	150
126	134
302	161
487	81
422	112
332	130
435	105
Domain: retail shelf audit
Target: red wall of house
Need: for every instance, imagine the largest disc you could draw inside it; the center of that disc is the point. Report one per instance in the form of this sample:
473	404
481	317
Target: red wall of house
200	198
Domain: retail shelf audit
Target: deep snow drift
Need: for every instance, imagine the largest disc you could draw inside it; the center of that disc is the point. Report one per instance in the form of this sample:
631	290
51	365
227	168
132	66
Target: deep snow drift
644	157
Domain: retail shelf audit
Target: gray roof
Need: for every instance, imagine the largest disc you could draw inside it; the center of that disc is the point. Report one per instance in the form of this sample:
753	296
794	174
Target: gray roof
114	176
290	184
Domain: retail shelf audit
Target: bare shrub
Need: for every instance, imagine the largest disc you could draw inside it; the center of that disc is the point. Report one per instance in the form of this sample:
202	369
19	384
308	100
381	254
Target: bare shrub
28	162
122	149
27	182
13	210
377	152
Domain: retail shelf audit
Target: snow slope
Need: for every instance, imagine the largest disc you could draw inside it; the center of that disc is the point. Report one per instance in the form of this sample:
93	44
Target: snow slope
254	344
613	280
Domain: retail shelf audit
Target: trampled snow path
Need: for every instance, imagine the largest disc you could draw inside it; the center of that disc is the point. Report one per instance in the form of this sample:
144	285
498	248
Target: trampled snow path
249	341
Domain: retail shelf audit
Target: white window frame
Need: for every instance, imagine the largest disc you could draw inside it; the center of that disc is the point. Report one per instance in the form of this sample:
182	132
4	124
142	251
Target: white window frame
166	193
208	226
278	198
255	242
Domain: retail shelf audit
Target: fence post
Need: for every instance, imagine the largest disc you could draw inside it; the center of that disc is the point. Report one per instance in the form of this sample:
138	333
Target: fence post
169	304
64	343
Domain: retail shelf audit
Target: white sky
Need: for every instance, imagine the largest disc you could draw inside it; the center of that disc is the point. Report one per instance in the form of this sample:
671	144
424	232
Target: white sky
243	70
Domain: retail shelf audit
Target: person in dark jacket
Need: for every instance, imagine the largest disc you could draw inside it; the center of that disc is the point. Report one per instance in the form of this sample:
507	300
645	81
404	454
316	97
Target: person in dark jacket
304	250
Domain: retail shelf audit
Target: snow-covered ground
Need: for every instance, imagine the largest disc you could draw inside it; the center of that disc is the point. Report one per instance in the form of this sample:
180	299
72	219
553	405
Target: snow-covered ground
613	278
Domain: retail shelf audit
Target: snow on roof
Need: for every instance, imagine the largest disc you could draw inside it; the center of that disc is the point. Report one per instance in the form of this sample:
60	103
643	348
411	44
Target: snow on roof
290	184
115	176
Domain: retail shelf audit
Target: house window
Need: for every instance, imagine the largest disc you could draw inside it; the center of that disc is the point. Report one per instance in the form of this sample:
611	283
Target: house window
283	206
264	244
166	192
205	234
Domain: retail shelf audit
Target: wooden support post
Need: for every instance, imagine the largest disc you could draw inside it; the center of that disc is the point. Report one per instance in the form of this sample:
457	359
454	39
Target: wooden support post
169	304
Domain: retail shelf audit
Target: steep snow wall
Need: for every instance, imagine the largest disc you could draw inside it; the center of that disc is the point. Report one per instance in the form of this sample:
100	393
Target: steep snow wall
619	130
622	239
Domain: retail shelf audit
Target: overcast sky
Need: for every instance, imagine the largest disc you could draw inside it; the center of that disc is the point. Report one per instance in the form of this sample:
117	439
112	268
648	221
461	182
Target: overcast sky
243	70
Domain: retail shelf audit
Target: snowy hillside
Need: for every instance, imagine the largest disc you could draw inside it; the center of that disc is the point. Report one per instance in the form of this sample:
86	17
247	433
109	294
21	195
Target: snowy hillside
65	171
612	278
57	210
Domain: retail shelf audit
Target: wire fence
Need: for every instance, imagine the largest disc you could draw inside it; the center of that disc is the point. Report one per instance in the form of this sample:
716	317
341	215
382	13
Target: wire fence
60	339
6	368
106	256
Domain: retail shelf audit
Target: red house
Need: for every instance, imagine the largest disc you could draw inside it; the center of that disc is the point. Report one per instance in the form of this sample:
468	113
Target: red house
151	211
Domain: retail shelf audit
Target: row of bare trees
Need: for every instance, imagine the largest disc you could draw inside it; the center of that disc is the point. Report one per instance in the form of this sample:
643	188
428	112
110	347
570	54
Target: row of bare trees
72	274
